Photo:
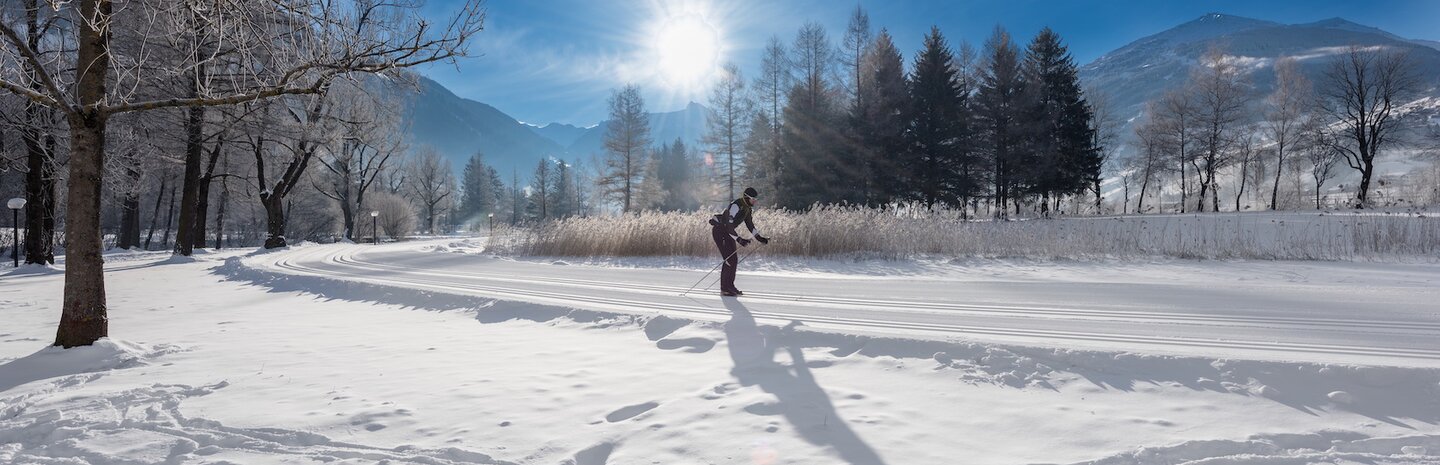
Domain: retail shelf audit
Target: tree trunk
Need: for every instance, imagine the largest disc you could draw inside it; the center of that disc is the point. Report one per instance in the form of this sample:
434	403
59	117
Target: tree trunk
202	211
155	216
220	215
1204	190
274	221
169	219
1182	186
40	193
347	214
190	196
129	222
40	161
1144	185
1368	168
82	317
1099	197
1279	168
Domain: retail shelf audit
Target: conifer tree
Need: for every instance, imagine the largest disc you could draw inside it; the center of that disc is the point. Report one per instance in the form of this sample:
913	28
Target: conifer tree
999	103
936	117
1060	155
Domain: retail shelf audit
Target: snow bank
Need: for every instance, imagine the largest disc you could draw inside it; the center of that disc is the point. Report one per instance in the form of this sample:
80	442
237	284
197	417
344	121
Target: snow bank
1287	449
54	362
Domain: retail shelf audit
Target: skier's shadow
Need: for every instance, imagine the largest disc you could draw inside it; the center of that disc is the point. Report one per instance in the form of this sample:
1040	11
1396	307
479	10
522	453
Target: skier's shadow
801	400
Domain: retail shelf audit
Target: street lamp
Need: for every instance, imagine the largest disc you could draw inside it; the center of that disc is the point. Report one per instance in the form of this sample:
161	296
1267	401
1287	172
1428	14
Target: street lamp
15	205
492	222
375	227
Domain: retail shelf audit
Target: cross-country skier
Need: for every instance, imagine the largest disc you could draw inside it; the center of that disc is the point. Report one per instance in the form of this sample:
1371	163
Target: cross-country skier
725	237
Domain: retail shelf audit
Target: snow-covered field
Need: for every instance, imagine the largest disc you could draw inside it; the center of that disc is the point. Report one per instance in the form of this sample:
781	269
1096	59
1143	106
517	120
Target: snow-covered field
414	353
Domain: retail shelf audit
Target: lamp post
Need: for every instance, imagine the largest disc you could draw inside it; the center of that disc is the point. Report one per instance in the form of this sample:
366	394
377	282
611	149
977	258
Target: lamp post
15	205
375	227
492	223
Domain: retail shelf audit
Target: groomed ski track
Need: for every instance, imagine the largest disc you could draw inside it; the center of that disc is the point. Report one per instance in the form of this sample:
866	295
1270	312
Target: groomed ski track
1272	321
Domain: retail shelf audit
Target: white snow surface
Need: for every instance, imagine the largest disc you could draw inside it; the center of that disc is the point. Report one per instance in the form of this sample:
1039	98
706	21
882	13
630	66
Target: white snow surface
352	353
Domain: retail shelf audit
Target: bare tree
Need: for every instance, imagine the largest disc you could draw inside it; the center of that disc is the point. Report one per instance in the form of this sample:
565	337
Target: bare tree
1324	153
627	138
1363	91
1105	126
1152	135
396	218
1287	114
728	121
368	142
855	42
1176	125
1245	155
431	183
1220	98
304	44
38	128
773	82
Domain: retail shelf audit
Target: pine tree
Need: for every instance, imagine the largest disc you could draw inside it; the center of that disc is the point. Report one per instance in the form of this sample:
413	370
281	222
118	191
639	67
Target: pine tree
809	170
879	121
540	190
726	125
477	195
936	117
562	201
773	83
675	176
626	138
504	202
856	43
1060	156
998	105
762	158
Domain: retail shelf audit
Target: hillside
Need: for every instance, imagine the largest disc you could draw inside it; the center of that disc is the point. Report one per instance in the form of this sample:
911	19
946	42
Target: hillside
1146	68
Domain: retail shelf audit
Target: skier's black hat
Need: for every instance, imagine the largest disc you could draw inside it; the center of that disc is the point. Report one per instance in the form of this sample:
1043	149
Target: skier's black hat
752	193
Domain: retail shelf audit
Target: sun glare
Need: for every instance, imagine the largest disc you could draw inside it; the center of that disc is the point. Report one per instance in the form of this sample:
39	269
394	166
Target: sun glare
687	49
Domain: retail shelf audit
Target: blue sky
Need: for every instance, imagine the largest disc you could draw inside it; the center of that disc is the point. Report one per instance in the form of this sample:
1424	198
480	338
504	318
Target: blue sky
558	60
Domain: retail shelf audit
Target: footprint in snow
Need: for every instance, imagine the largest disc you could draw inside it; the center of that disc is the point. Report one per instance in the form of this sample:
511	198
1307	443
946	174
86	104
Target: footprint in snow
695	345
630	411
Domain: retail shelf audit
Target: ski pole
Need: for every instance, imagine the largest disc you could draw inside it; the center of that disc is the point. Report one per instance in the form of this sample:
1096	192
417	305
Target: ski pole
708	273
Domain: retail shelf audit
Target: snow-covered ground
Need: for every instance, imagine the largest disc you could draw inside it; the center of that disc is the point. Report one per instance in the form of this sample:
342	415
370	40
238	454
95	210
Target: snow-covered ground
410	353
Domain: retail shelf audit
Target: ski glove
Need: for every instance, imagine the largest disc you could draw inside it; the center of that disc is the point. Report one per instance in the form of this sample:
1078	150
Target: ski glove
762	239
743	241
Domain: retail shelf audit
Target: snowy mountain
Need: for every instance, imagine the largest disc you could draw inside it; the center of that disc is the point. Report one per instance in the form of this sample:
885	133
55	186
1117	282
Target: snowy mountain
560	133
687	124
1146	68
459	127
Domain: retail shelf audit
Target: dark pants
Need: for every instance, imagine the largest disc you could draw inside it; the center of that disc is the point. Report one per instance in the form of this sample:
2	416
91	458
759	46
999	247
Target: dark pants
726	244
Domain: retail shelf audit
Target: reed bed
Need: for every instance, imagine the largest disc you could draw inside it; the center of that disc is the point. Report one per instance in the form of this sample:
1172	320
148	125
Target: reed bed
829	232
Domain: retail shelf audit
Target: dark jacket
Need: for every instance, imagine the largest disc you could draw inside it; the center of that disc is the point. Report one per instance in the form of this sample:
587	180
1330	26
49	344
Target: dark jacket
735	214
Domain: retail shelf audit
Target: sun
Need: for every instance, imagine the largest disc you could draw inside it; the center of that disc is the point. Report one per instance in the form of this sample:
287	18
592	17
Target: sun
687	50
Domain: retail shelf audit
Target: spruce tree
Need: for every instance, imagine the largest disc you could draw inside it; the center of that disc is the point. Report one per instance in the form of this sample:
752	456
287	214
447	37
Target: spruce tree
933	162
477	195
999	103
1060	156
878	120
562	200
677	177
809	168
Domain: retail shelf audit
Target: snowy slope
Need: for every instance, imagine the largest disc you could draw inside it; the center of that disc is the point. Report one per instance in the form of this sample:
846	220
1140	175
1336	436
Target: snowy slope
1148	67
